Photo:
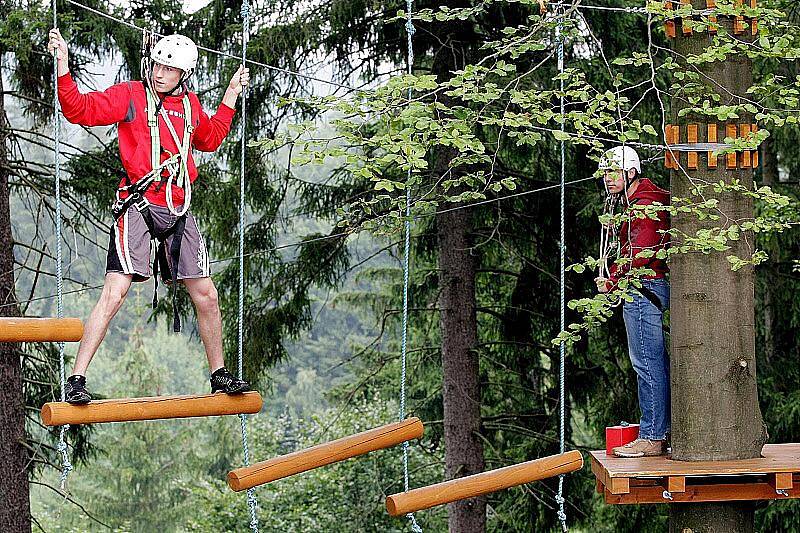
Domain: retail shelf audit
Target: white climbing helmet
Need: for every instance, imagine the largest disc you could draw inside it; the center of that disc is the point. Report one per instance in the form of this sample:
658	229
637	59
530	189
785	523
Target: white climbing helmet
176	51
621	157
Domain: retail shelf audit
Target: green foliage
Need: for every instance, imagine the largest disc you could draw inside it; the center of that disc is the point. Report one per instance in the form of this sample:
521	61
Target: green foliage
494	110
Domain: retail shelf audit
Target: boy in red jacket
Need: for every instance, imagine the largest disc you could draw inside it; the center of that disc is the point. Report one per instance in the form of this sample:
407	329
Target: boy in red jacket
643	315
159	122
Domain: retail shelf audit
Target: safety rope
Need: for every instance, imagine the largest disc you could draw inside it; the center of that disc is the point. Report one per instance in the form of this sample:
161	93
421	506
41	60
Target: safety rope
213	51
251	496
338	235
66	466
640	10
415	527
562	515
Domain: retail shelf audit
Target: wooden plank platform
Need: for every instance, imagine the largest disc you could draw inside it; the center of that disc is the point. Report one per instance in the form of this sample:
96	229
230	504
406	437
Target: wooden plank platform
775	475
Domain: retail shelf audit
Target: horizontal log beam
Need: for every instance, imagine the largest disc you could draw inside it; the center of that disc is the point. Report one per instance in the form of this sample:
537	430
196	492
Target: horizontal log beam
325	454
483	483
40	329
151	408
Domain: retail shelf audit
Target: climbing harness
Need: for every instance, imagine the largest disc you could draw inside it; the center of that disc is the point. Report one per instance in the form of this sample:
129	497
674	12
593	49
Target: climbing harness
177	176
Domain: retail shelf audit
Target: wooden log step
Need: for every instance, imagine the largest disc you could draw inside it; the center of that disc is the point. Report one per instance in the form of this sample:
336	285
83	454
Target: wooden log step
483	483
40	329
325	454
151	408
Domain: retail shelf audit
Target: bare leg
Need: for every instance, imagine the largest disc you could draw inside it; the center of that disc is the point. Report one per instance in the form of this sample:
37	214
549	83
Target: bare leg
115	288
206	303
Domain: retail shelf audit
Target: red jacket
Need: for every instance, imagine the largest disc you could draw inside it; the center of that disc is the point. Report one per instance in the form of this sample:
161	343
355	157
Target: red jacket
126	104
645	233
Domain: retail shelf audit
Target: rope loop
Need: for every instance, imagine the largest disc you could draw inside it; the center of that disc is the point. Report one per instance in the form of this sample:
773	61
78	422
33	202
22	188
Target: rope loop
415	527
66	465
410	29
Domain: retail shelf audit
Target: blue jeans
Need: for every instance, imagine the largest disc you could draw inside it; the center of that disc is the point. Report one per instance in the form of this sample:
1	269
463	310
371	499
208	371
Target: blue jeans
648	352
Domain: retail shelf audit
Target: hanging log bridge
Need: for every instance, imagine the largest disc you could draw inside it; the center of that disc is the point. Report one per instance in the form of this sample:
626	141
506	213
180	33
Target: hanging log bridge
773	476
325	454
483	483
152	408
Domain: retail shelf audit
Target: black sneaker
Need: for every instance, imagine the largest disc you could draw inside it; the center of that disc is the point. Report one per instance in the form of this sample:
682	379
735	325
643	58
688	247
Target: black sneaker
75	391
224	381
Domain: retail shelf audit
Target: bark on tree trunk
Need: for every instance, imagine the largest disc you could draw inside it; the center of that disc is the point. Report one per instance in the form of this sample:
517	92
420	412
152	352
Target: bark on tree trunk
461	389
15	513
770	177
715	408
460	365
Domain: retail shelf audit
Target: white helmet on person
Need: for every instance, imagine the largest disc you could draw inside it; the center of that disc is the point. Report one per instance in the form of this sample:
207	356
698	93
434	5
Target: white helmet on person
177	51
622	158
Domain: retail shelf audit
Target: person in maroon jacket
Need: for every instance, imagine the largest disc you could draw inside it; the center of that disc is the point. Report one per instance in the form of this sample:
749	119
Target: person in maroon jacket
159	123
643	315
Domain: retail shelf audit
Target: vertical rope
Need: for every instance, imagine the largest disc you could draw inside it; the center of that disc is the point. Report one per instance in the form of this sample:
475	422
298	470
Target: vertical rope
562	515
66	466
251	497
415	527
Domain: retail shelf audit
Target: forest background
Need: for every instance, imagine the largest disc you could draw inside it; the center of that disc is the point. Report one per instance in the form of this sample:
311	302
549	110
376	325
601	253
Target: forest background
323	320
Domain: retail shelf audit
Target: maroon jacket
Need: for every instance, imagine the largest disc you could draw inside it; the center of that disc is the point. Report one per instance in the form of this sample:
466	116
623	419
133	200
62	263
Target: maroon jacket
645	233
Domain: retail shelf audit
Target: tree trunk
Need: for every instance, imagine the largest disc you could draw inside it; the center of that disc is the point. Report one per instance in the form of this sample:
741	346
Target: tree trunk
15	512
715	408
461	390
460	365
769	177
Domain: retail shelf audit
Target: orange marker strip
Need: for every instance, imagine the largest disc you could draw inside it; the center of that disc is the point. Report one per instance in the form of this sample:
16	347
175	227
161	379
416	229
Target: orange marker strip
691	138
669	25
747	159
712	138
686	22
754	129
730	159
671	138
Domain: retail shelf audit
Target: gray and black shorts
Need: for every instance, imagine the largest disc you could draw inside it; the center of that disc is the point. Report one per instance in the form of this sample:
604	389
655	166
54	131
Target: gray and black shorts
131	246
